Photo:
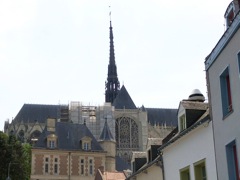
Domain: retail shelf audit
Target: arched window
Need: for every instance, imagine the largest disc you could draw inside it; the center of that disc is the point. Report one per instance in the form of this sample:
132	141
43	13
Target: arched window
21	136
126	133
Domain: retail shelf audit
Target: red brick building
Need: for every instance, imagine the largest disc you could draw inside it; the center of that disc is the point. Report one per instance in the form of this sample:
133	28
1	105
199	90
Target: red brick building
70	151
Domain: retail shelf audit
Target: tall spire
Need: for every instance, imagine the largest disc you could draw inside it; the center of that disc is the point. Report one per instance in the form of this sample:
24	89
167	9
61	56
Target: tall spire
112	84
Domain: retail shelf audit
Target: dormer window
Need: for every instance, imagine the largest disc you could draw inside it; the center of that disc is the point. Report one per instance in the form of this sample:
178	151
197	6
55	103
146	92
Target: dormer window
52	141
86	146
86	143
231	12
51	144
182	122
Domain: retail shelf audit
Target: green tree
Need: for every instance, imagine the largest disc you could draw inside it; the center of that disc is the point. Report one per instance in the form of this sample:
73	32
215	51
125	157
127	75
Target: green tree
15	158
3	155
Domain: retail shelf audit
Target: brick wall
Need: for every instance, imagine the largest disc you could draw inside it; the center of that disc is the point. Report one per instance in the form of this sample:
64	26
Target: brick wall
63	165
38	164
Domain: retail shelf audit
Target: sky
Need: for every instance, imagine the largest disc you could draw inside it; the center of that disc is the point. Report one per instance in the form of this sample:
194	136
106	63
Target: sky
56	51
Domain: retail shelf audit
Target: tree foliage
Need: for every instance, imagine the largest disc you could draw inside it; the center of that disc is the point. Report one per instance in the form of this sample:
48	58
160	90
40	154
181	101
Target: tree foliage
15	158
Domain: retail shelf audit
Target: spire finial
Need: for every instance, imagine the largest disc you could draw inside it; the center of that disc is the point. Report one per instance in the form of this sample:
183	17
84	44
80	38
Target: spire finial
110	13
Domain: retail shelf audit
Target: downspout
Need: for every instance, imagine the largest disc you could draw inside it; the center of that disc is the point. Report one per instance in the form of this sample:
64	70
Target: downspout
211	118
162	165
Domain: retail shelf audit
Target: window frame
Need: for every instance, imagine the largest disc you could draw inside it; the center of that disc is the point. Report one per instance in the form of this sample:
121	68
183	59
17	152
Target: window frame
91	166
225	90
82	166
232	160
86	143
198	167
238	61
56	165
51	144
46	164
86	146
185	170
182	122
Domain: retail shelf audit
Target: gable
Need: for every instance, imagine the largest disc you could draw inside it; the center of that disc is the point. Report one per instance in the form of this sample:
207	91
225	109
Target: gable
123	100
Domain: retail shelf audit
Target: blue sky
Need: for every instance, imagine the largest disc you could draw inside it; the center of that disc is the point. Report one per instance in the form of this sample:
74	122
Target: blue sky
55	51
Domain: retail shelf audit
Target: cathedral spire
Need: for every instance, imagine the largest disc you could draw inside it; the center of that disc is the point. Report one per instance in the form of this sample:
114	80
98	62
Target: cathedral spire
112	84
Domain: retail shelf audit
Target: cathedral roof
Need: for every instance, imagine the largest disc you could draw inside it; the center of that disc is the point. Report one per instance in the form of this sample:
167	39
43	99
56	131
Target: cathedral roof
161	116
123	100
69	136
106	134
30	113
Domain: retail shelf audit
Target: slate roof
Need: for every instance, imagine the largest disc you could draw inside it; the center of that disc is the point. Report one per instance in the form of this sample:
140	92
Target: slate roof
161	116
106	134
30	113
123	100
69	136
155	115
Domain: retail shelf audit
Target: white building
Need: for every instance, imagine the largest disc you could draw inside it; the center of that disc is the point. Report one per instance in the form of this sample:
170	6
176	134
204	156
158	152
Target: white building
223	72
188	152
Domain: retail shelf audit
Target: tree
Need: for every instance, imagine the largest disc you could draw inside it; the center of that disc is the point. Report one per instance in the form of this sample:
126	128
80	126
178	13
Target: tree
15	158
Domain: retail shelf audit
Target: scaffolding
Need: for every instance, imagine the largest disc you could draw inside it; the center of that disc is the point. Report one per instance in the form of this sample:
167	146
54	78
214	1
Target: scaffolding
93	116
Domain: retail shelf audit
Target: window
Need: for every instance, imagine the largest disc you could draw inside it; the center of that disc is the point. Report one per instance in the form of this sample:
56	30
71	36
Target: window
90	166
81	166
182	122
226	92
52	141
46	166
85	142
86	146
55	165
232	161
185	173
200	170
51	144
127	135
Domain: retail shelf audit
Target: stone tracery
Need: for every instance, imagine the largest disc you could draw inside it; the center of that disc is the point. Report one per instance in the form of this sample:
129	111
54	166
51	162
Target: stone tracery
126	133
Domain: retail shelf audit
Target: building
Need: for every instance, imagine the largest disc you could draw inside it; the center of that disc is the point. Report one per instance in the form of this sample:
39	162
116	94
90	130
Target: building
147	164
70	151
188	151
130	125
222	70
31	120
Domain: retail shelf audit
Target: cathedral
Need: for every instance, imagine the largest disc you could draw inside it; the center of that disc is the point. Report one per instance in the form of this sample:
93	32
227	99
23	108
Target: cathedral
130	126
